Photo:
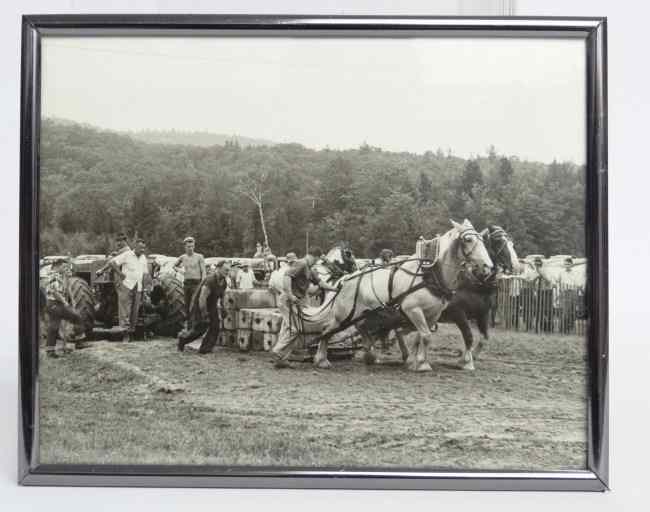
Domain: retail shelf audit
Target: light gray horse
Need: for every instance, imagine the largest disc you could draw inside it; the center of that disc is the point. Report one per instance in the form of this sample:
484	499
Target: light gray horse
420	297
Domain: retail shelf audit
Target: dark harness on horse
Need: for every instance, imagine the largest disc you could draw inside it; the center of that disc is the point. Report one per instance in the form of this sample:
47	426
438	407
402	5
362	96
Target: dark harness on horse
389	315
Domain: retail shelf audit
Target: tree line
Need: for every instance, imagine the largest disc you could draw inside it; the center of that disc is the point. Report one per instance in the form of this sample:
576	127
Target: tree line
96	183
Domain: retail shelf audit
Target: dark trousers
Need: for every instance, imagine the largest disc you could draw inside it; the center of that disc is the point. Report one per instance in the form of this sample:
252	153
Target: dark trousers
57	311
189	288
211	329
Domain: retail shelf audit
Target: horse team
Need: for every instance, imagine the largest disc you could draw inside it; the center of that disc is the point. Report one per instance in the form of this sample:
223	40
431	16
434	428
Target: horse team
455	282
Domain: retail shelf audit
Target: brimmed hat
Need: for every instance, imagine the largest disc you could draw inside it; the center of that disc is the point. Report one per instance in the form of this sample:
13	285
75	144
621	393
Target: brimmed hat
188	239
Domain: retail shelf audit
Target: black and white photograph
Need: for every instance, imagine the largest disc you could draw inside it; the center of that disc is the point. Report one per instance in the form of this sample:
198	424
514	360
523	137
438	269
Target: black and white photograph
314	252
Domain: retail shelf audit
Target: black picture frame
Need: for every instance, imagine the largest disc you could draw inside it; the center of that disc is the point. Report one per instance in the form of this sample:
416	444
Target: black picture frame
592	30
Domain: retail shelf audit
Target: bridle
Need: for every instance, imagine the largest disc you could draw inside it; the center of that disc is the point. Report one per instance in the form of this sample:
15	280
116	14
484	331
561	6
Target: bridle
499	234
461	239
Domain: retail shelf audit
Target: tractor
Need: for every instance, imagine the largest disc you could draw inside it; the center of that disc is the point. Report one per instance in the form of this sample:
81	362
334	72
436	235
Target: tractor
95	299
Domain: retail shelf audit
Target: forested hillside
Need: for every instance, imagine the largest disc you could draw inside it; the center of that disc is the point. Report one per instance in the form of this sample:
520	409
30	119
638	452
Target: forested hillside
195	138
95	183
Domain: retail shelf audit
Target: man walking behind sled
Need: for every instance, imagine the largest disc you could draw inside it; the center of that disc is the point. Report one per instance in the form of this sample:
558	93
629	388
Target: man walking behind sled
130	266
295	284
57	307
194	265
205	310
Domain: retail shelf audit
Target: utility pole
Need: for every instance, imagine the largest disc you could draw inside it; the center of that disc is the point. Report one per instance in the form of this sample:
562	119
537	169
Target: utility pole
313	207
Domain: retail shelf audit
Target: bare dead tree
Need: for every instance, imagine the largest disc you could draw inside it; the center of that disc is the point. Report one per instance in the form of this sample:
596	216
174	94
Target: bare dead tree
254	187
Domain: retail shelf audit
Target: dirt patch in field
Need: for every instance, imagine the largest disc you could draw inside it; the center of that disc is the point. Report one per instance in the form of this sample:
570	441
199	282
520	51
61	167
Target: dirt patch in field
523	408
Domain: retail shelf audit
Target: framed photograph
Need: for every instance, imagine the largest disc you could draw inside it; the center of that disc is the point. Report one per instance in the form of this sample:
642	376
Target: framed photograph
315	252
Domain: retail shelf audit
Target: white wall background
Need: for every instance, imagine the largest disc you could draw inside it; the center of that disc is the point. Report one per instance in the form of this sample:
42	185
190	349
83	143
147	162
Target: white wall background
629	90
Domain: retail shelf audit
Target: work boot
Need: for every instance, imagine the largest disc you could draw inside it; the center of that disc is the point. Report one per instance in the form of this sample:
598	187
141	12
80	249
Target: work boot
181	344
280	363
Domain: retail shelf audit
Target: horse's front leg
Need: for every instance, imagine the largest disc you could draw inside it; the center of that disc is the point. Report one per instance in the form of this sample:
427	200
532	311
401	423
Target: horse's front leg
416	316
457	314
482	323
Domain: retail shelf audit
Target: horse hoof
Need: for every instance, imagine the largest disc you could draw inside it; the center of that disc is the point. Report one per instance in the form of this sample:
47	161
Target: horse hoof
424	367
369	358
467	366
323	365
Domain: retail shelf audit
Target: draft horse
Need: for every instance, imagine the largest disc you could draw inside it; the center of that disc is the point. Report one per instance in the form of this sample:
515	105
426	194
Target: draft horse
416	294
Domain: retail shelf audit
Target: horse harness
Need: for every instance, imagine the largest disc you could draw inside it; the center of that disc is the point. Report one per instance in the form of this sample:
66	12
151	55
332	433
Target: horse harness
428	269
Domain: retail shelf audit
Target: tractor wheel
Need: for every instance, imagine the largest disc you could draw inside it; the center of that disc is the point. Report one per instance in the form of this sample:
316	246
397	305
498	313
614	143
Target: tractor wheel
83	301
171	288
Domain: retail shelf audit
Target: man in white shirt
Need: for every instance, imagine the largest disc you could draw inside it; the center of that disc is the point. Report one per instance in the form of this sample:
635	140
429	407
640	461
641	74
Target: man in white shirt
130	267
245	278
276	281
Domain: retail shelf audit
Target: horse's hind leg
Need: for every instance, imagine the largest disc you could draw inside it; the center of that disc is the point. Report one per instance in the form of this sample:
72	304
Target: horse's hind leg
369	356
402	345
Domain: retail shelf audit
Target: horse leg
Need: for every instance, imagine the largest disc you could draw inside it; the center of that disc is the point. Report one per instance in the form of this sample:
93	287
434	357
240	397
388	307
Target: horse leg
416	316
369	356
482	322
459	317
320	357
402	345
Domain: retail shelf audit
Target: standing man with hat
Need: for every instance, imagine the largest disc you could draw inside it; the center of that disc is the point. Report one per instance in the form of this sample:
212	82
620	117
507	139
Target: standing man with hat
194	266
295	284
57	306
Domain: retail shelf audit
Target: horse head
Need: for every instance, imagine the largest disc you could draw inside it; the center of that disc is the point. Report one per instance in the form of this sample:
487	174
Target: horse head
469	248
342	255
501	248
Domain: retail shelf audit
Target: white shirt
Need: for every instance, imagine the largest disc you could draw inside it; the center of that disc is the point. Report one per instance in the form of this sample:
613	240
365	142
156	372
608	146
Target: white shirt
134	267
245	280
276	281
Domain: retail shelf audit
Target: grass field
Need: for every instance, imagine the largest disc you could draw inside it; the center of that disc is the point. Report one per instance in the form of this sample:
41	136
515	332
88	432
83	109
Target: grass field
144	403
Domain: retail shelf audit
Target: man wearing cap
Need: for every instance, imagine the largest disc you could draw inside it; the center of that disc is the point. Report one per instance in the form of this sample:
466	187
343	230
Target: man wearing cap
205	310
245	278
57	306
130	267
194	266
276	281
232	275
296	281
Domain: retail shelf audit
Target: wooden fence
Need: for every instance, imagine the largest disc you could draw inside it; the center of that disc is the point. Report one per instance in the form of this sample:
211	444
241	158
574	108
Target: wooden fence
540	308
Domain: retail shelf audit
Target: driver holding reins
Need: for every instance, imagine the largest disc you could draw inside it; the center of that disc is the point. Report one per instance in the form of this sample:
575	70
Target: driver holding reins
295	284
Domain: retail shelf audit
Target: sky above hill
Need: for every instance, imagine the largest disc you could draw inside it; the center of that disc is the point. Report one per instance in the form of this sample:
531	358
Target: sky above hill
524	96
